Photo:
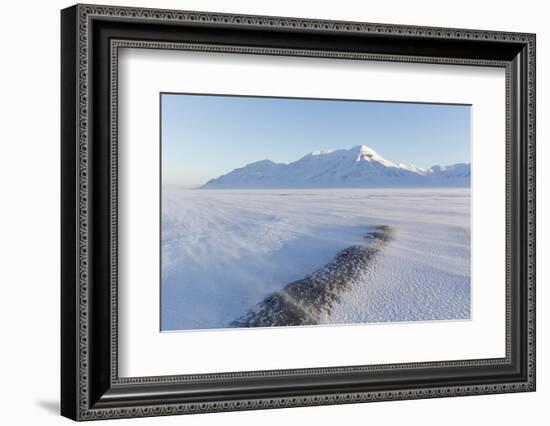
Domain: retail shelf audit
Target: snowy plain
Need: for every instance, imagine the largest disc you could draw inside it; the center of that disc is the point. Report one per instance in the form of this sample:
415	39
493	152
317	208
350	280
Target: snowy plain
224	251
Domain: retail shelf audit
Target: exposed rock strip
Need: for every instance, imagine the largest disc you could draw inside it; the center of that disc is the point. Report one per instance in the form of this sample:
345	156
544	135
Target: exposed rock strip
303	302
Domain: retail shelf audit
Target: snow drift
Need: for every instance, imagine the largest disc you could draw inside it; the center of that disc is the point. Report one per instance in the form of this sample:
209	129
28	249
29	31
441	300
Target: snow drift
306	301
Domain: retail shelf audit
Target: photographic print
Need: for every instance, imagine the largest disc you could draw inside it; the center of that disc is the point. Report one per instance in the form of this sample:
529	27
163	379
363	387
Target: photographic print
304	212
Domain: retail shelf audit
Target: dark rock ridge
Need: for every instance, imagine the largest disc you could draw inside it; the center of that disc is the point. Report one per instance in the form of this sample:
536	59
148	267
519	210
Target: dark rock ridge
305	301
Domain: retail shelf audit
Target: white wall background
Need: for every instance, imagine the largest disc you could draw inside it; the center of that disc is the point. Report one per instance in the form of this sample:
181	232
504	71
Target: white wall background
29	212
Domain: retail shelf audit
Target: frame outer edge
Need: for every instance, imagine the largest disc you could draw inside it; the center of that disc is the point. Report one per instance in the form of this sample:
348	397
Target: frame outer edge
83	83
69	221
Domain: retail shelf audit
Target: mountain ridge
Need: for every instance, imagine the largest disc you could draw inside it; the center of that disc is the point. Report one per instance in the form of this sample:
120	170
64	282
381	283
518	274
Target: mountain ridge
360	166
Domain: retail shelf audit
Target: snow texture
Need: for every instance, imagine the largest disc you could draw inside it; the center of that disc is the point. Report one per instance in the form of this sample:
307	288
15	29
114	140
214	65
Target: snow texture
224	252
358	167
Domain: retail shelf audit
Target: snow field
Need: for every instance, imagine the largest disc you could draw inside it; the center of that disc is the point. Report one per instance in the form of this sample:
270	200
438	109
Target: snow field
224	251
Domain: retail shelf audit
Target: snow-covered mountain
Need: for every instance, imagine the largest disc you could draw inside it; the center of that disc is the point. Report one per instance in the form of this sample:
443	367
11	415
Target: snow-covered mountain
357	167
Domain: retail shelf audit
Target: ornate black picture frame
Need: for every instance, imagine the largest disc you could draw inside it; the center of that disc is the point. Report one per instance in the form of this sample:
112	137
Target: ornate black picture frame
90	38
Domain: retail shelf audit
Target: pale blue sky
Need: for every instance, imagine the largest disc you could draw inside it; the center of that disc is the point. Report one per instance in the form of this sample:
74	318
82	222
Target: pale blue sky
204	137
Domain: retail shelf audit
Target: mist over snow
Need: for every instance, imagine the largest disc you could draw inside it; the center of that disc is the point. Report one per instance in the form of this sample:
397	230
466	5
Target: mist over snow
358	167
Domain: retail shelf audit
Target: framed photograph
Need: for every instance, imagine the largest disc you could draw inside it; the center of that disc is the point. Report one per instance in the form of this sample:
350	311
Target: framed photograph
263	212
